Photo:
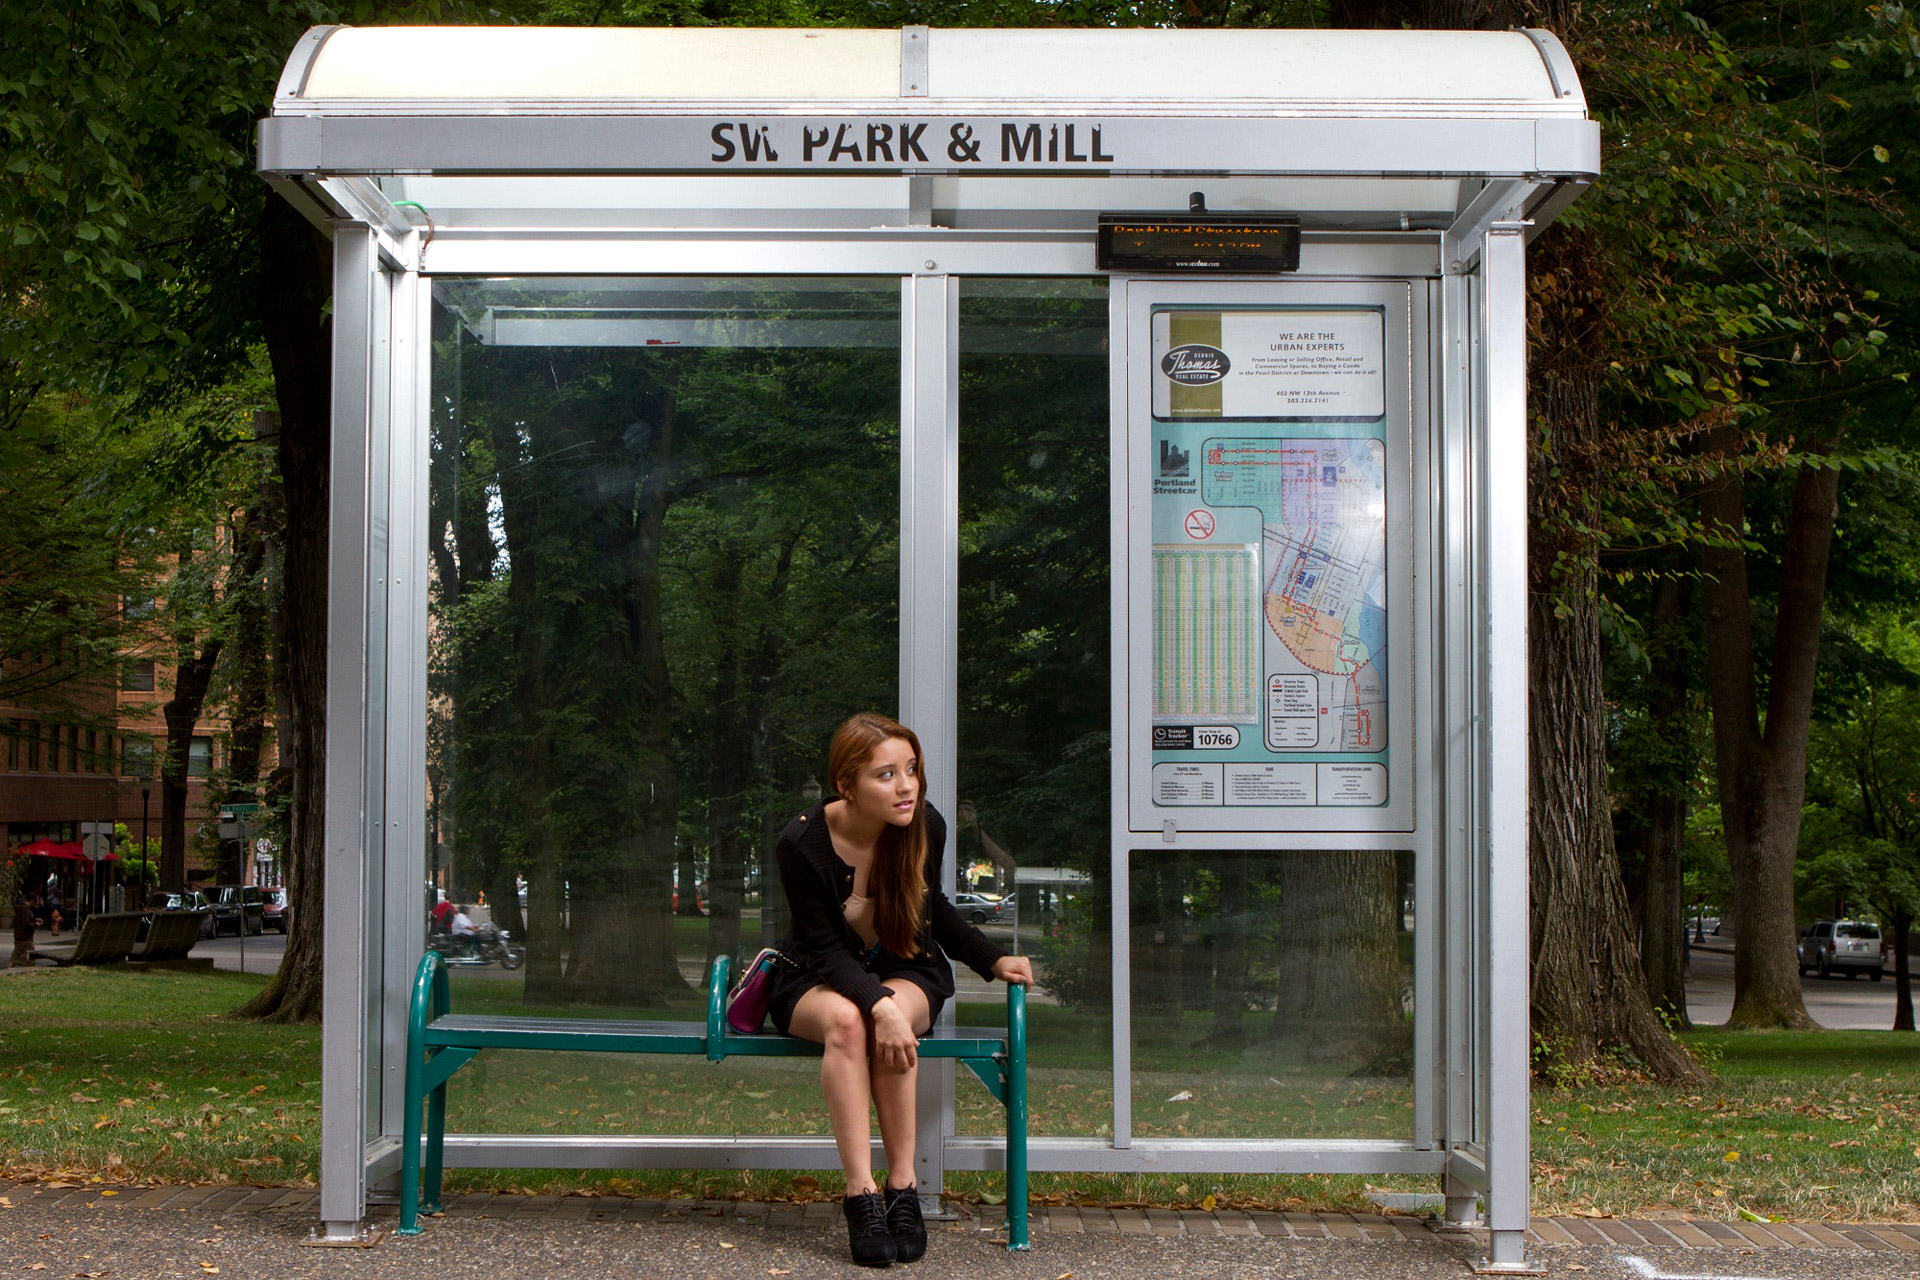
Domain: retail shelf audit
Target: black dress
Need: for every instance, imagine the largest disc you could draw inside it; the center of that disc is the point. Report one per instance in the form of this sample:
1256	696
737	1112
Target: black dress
827	951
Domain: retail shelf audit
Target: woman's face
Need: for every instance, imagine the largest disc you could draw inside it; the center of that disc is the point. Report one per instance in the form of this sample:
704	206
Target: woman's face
887	786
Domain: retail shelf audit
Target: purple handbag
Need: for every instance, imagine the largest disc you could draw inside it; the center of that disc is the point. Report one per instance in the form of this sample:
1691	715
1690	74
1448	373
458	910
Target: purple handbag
747	1002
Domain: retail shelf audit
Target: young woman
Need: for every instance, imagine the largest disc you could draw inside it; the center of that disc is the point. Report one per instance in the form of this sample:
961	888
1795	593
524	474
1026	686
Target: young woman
870	938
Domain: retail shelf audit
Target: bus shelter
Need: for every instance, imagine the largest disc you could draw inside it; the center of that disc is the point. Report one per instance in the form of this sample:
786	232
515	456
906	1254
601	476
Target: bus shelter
1141	415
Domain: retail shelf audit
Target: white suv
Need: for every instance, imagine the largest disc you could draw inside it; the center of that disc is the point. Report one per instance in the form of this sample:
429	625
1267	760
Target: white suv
1841	946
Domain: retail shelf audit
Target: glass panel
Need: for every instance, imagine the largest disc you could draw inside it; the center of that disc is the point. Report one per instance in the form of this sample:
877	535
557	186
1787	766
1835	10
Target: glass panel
1272	995
664	566
1033	772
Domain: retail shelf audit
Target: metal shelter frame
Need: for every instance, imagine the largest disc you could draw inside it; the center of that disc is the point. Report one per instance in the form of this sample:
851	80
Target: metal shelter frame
1426	159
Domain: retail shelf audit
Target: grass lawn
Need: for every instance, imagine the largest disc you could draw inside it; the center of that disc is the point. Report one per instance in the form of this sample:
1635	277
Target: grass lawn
140	1077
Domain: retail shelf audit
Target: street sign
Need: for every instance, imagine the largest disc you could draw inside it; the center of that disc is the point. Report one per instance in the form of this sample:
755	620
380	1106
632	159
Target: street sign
96	846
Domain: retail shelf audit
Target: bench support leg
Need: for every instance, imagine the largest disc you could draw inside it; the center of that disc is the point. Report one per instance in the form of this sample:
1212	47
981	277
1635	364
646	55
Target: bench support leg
410	1141
436	1139
1016	1118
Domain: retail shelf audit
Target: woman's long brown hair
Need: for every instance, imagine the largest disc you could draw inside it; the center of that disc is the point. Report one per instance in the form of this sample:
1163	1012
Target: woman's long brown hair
897	880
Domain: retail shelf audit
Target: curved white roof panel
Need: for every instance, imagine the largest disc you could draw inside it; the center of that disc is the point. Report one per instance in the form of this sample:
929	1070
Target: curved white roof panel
531	131
535	68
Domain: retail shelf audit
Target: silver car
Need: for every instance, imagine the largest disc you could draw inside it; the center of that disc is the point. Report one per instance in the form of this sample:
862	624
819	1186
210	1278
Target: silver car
1841	946
981	909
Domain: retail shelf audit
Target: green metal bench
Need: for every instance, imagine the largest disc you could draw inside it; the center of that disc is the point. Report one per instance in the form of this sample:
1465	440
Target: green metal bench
440	1042
103	939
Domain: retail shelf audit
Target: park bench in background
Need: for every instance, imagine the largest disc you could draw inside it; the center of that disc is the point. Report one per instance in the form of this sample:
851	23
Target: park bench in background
104	937
440	1042
170	938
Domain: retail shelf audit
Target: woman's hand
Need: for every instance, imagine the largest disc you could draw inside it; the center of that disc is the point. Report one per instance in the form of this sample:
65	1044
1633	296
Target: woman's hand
894	1044
1014	969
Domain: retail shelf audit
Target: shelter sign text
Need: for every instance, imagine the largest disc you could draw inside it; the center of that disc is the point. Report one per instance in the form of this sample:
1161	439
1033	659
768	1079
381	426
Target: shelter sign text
942	143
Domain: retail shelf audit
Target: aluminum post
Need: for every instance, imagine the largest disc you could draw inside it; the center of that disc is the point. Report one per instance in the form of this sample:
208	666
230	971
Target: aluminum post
1503	347
930	615
344	1048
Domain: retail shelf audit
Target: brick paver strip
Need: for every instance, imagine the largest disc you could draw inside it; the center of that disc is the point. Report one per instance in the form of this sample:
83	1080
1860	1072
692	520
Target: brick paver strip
1691	1236
1655	1233
571	1209
1198	1222
534	1207
1583	1231
1893	1236
1409	1228
1233	1223
1130	1222
1066	1220
1619	1233
191	1198
785	1215
1551	1232
821	1213
1163	1222
1757	1233
1861	1236
1098	1221
1719	1231
1794	1234
1342	1227
1306	1224
754	1211
1830	1238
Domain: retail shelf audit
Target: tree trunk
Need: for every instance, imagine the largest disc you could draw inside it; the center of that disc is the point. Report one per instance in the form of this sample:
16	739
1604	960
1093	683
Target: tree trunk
1586	980
192	674
1663	934
1902	922
1338	961
1762	771
296	282
252	698
1230	953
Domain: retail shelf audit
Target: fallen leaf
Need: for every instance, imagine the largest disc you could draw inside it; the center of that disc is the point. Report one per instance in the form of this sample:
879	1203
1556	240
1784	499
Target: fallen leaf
725	1245
1732	1157
779	1271
1208	1202
1064	1275
1185	1095
1574	1266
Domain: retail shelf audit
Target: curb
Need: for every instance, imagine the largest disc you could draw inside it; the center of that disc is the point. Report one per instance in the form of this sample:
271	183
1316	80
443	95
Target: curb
1352	1228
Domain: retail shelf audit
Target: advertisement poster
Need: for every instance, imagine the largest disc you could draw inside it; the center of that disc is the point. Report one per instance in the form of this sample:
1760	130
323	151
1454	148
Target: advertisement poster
1270	574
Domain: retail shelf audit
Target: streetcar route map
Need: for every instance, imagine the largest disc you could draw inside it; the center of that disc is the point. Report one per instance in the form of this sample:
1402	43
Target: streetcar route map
1322	504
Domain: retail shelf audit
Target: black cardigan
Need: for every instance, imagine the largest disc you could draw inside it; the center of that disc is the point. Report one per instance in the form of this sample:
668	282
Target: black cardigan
818	884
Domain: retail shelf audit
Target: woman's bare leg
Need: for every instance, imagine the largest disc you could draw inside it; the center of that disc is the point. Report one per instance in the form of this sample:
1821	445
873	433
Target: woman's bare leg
893	1091
836	1023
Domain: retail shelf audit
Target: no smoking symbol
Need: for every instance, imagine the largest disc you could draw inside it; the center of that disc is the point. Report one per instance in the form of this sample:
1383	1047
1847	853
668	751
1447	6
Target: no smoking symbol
1200	524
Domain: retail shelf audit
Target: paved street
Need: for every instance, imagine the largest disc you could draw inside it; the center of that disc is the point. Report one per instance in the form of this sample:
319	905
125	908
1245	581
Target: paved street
1841	1004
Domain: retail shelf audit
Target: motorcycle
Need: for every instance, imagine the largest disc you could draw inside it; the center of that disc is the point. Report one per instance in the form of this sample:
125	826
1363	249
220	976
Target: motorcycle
487	945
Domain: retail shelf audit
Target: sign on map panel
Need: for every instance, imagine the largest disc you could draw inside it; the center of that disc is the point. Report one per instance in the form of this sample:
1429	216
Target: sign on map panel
1270	576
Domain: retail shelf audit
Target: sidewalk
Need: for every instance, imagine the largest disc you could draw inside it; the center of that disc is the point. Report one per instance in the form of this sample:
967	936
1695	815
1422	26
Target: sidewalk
171	1231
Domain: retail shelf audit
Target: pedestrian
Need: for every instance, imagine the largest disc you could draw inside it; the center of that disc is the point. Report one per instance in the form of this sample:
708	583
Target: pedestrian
869	973
24	912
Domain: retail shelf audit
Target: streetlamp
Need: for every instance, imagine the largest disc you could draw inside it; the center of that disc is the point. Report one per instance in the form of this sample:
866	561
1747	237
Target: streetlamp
810	790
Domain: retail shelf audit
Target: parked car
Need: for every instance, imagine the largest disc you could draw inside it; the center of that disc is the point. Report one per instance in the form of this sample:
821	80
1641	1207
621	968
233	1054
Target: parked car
981	909
1841	946
237	907
273	912
191	900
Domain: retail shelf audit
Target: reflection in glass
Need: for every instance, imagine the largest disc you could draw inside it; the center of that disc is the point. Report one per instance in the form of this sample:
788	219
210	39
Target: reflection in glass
663	543
1272	994
1033	768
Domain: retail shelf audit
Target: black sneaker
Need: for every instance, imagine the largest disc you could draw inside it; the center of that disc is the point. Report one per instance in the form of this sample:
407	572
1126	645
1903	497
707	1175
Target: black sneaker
867	1230
905	1225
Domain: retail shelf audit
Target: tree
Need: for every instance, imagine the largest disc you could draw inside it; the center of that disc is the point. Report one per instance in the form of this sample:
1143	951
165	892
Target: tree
1868	815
